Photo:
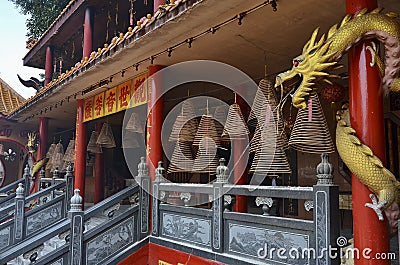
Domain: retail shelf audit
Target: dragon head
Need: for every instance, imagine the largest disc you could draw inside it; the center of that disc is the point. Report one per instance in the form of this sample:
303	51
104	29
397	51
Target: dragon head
309	66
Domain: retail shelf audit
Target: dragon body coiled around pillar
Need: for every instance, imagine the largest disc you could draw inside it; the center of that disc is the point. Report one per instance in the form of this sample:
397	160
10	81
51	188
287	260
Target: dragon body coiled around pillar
319	57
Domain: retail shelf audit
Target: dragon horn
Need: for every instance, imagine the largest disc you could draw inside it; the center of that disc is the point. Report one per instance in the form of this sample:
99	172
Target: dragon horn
313	37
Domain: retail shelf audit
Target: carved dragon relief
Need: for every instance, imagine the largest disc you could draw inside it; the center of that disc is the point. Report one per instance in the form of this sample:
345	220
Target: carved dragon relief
320	57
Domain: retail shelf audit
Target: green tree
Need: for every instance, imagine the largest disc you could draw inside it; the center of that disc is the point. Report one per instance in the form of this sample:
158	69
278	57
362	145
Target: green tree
42	13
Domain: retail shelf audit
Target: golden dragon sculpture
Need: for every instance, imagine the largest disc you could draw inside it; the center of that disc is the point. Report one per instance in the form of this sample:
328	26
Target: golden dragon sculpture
319	57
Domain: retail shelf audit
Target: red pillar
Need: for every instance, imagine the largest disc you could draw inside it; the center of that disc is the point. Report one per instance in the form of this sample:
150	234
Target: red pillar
41	151
240	162
80	150
99	172
158	3
154	122
88	33
366	110
48	69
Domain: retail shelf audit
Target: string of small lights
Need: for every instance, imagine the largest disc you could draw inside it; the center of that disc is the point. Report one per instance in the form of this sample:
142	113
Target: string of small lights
189	42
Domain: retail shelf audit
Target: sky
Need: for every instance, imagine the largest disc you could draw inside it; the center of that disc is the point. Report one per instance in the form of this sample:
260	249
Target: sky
12	49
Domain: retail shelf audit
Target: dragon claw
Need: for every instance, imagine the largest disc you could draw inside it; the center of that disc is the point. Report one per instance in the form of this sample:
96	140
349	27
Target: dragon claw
376	206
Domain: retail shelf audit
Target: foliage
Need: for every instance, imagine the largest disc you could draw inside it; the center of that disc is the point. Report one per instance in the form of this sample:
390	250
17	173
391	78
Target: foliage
42	13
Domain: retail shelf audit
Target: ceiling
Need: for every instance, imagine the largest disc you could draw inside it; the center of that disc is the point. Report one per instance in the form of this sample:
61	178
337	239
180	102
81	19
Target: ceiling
265	39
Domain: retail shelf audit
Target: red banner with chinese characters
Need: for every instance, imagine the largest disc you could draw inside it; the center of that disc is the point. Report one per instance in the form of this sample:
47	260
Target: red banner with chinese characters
131	93
124	95
88	110
98	106
139	90
111	101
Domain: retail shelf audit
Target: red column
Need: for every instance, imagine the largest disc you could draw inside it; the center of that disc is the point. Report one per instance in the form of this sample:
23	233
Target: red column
154	122
240	162
48	68
158	3
41	151
99	172
80	150
366	111
88	33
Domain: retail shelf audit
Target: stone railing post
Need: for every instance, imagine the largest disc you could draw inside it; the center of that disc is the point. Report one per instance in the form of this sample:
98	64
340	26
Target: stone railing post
42	175
143	180
27	176
19	228
326	208
69	188
218	207
56	175
76	230
155	217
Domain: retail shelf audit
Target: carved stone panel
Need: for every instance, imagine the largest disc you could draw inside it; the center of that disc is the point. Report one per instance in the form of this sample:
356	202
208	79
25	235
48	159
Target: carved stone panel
44	218
5	237
109	242
264	244
185	228
321	224
58	262
18	219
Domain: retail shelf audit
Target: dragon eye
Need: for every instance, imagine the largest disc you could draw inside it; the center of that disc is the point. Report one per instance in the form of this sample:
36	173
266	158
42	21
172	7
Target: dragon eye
312	51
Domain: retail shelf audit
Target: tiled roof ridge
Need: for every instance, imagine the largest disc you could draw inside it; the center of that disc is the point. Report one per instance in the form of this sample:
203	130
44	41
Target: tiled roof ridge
10	99
115	42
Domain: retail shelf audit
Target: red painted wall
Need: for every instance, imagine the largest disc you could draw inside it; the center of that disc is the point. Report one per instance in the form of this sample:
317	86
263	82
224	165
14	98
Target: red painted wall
151	254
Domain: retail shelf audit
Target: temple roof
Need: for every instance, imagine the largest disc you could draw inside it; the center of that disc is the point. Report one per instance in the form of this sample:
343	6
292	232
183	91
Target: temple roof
9	98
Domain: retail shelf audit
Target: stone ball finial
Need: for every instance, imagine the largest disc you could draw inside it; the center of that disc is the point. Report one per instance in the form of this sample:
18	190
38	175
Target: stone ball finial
222	171
325	171
76	200
160	171
143	169
27	170
20	191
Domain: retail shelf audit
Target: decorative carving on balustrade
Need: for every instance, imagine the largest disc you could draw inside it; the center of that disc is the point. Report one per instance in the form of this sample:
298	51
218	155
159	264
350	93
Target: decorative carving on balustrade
228	202
163	195
185	197
134	199
266	203
190	229
249	240
33	254
58	262
110	212
308	205
216	220
5	237
43	218
109	242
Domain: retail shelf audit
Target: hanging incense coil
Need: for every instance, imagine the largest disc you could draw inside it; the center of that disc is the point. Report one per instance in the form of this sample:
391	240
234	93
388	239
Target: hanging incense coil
134	123
235	126
182	158
69	155
264	102
130	139
268	126
265	95
206	129
92	147
206	159
184	129
270	158
220	115
57	157
49	155
310	133
106	137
